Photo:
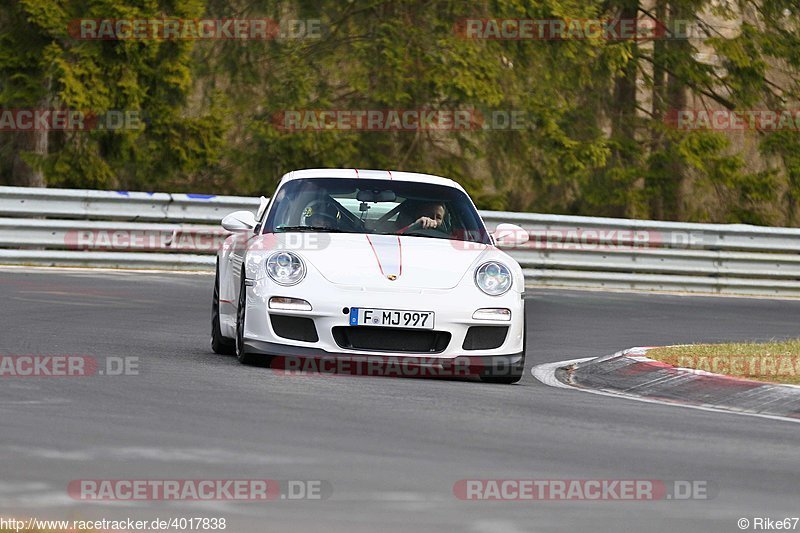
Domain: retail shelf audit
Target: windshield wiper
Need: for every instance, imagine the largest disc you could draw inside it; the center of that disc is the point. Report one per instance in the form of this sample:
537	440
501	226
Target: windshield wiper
431	235
310	228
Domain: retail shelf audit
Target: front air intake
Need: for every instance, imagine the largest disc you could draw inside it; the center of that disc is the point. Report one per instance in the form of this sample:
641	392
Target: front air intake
397	340
485	337
297	328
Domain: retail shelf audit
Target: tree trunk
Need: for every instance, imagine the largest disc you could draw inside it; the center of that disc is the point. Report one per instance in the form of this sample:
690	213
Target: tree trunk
665	187
623	109
22	174
676	100
35	141
656	190
623	106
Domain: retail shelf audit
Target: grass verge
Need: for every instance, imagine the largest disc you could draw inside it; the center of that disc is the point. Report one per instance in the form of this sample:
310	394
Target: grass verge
777	362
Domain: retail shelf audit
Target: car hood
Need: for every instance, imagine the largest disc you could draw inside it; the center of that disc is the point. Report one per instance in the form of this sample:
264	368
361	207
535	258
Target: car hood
388	261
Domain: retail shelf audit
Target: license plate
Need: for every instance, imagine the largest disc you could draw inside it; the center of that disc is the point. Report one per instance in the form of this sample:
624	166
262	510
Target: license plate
392	318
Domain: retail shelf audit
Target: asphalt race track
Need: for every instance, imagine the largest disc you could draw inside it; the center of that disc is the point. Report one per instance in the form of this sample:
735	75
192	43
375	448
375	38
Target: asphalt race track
391	448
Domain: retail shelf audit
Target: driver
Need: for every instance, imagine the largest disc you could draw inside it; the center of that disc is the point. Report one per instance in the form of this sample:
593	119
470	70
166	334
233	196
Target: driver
322	215
427	215
430	216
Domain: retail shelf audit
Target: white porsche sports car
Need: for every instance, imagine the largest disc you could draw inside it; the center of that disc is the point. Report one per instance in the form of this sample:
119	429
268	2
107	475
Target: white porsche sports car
360	264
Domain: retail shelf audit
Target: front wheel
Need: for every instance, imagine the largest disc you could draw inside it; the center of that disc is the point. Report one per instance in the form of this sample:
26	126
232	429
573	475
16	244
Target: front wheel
220	344
241	309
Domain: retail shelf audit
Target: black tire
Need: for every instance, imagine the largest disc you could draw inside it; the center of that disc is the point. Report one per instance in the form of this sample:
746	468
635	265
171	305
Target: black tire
515	374
219	343
241	308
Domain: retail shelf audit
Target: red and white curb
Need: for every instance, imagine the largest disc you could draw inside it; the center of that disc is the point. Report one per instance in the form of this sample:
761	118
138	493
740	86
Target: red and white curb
547	374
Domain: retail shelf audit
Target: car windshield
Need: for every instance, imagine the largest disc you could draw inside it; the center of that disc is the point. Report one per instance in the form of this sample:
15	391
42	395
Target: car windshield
375	207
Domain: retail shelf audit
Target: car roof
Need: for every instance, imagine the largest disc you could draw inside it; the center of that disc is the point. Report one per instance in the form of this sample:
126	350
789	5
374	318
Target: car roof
350	173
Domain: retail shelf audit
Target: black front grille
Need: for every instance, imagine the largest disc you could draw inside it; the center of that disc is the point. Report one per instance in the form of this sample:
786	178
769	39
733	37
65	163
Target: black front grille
399	340
485	337
297	328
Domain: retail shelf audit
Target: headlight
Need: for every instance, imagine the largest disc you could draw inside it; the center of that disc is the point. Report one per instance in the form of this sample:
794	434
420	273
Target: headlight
493	278
286	268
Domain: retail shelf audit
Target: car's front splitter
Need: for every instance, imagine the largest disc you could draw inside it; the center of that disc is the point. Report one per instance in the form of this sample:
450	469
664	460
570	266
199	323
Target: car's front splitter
295	360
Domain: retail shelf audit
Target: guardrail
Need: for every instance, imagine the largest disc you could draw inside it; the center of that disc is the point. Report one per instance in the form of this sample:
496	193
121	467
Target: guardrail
64	227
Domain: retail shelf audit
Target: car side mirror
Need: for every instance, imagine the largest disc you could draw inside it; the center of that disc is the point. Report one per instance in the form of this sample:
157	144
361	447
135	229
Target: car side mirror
239	221
262	206
510	235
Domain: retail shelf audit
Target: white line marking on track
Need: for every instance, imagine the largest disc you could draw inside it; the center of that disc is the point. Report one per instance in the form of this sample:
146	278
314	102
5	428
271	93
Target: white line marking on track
62	302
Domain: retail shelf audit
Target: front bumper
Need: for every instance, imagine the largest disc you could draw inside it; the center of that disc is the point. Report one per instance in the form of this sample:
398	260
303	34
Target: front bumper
313	360
453	310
